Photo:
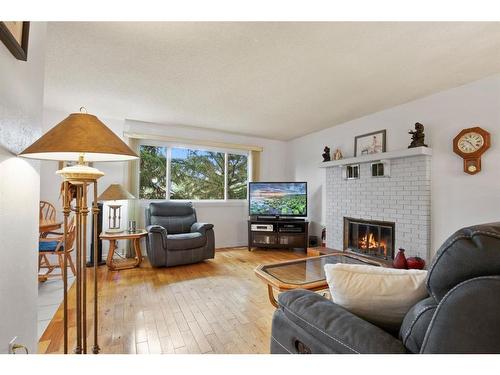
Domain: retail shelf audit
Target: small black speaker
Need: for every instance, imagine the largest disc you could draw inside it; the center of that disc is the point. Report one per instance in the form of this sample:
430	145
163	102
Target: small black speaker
100	262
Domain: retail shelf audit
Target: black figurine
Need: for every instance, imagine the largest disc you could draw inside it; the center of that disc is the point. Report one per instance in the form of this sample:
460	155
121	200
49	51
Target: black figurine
417	136
326	154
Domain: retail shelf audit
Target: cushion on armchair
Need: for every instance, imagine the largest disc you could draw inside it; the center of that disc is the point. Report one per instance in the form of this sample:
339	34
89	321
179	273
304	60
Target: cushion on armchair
49	246
380	295
175	217
183	241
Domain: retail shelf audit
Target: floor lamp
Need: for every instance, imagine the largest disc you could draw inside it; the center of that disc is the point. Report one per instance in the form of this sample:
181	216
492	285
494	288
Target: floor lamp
83	138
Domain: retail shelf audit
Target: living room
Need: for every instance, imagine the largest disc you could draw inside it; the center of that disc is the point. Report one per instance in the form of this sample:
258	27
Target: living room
249	187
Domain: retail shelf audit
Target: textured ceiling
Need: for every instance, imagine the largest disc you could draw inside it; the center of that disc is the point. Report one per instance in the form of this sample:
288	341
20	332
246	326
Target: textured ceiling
275	80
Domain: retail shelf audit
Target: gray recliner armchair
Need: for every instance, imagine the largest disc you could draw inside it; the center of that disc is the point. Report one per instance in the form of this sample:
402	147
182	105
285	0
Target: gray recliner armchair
174	235
460	315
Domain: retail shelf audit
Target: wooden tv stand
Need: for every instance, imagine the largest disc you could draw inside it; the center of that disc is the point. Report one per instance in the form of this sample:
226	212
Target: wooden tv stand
283	234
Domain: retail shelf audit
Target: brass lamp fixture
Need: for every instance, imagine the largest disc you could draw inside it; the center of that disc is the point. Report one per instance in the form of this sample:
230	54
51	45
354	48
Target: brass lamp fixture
114	193
83	138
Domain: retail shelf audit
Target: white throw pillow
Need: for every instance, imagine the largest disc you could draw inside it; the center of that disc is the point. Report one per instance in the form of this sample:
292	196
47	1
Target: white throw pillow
380	295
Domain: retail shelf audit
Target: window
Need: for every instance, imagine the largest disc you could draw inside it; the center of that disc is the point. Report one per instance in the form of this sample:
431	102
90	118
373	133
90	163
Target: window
381	169
197	174
237	173
377	169
191	173
352	172
153	172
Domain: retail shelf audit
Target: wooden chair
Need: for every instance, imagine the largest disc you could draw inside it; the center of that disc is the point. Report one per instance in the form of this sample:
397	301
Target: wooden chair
47	212
54	245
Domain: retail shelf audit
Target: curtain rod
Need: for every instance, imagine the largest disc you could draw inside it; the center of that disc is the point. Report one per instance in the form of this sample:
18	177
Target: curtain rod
196	142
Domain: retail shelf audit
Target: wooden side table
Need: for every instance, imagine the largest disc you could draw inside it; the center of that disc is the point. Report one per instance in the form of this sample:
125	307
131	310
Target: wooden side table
135	237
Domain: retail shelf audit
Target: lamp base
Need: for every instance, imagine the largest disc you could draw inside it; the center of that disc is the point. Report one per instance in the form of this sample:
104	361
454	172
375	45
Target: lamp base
114	231
80	171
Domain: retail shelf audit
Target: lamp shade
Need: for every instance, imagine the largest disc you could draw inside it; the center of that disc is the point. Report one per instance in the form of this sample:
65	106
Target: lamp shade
115	192
80	134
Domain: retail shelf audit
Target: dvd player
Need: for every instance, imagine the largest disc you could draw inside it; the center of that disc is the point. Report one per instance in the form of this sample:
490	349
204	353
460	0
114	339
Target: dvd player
262	227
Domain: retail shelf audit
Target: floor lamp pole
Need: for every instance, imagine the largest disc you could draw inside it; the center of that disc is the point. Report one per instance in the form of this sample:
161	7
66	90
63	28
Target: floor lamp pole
81	210
66	212
78	348
95	212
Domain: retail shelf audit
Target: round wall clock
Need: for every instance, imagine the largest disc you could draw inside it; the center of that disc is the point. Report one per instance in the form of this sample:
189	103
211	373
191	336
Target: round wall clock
470	144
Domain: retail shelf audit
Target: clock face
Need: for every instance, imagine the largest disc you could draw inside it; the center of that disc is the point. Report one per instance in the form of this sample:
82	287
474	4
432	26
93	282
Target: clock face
470	142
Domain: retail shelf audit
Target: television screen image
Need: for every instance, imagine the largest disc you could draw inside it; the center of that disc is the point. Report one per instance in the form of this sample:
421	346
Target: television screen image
278	198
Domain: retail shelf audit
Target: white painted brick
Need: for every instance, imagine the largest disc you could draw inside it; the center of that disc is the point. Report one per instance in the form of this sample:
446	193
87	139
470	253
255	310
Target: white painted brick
404	198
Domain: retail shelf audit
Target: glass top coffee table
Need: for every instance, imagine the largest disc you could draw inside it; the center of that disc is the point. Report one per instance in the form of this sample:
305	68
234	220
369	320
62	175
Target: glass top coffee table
306	273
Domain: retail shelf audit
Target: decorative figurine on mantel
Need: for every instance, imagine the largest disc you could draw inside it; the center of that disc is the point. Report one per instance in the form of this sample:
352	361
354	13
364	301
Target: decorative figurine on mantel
338	154
326	154
417	136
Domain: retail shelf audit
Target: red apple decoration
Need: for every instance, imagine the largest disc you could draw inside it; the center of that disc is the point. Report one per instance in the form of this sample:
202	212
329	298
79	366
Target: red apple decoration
415	263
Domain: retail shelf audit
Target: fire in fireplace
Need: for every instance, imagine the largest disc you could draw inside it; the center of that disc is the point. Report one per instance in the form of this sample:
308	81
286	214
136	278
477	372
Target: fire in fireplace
369	237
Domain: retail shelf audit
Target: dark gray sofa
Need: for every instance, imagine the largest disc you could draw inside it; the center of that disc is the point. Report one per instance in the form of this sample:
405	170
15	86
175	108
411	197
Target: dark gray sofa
460	315
174	235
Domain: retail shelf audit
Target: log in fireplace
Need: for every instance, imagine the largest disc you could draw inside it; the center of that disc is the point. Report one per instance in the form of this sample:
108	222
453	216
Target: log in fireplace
369	237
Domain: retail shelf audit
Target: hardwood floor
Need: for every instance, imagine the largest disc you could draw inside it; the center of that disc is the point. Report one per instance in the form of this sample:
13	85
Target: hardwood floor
217	306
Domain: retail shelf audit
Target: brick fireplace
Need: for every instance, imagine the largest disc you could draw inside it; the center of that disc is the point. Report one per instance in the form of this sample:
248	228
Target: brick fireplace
398	202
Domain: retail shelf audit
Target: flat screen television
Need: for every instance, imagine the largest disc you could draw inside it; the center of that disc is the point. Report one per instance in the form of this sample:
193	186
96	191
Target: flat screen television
277	199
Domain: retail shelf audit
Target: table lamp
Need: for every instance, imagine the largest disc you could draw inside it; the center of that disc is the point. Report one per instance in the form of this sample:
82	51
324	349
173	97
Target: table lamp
114	193
80	137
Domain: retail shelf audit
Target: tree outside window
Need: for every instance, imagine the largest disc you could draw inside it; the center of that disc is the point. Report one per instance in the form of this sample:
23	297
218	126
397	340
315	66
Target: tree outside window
194	174
237	176
197	174
153	172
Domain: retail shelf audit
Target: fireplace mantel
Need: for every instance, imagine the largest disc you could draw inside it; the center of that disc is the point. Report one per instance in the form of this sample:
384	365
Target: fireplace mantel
417	151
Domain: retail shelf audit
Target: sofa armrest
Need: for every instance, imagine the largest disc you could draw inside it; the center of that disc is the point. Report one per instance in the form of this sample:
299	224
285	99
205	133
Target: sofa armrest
201	227
333	326
156	245
156	229
467	319
157	232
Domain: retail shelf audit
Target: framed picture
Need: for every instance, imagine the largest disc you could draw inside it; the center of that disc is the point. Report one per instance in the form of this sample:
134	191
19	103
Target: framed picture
15	36
371	143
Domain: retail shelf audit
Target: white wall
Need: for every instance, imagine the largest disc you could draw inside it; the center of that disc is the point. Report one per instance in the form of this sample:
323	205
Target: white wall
458	199
229	218
21	102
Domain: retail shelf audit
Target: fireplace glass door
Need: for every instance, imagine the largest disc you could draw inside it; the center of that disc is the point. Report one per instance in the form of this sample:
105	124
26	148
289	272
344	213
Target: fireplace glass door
373	238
